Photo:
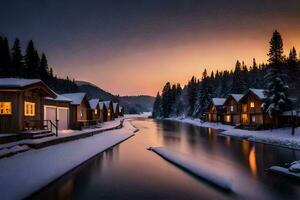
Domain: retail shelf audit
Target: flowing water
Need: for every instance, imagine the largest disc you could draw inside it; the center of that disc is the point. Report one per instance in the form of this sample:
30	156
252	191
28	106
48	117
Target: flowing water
130	171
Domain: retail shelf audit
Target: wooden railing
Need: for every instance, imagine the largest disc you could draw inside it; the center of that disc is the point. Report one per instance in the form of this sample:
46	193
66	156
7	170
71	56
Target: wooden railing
41	125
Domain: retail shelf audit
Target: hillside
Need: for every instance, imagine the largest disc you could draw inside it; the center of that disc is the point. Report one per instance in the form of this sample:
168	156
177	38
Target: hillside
132	104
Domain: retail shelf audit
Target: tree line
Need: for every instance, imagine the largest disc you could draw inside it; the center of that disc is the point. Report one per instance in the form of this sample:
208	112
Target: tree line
30	65
279	77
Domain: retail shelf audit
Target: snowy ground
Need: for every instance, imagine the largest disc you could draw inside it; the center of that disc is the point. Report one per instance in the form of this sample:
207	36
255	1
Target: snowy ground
191	166
281	137
25	173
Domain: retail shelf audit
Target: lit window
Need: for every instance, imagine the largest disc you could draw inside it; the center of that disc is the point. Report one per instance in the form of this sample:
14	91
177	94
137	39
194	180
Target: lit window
251	104
244	118
228	118
29	108
96	111
244	107
81	113
108	114
5	108
231	108
253	119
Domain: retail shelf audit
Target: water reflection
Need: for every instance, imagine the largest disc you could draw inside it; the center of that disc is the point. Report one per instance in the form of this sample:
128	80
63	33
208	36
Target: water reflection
129	171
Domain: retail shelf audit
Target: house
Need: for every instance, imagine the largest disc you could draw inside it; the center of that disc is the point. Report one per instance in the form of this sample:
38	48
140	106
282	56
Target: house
252	114
215	113
116	110
232	109
95	111
79	107
107	110
57	110
21	104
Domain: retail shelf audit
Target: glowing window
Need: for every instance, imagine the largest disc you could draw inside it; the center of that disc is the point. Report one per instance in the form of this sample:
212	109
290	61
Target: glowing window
231	108
244	107
244	118
253	119
251	104
96	111
5	108
81	113
29	108
228	118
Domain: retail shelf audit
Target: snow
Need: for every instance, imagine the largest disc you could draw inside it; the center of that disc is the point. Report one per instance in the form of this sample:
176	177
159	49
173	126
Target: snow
284	171
291	113
295	166
75	97
280	137
190	165
25	173
13	150
101	104
107	103
258	92
17	82
59	98
218	101
237	97
115	106
94	103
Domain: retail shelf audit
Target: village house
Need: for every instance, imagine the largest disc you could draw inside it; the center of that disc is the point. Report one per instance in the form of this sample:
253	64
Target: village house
95	112
57	110
110	112
215	113
232	109
21	104
252	115
79	107
116	110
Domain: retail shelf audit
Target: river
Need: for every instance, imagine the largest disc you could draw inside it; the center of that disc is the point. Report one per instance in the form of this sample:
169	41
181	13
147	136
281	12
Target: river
130	171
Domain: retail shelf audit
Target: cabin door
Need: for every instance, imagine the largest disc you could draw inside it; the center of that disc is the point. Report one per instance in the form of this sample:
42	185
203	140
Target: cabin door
50	114
63	117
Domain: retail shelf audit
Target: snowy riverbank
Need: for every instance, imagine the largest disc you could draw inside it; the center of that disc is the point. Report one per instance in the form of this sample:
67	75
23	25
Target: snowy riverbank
280	137
25	173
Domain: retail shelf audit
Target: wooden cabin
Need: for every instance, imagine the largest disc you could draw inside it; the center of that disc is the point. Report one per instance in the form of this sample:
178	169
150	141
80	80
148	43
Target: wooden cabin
108	113
232	110
21	104
95	111
57	110
252	114
116	110
79	107
103	110
215	113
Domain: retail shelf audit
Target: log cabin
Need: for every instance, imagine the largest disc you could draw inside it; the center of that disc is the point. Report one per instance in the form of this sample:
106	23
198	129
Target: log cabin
232	109
110	112
252	115
116	110
79	107
103	110
215	113
21	104
95	112
58	110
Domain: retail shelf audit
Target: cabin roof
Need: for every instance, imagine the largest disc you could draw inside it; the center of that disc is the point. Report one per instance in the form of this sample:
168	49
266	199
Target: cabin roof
76	98
260	93
94	103
21	83
115	105
60	98
107	103
101	104
218	101
237	97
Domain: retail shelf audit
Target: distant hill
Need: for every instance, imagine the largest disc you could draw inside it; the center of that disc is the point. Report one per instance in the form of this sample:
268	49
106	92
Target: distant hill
137	104
93	91
132	104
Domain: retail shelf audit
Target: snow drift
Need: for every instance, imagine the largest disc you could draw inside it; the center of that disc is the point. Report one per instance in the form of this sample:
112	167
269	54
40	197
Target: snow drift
186	163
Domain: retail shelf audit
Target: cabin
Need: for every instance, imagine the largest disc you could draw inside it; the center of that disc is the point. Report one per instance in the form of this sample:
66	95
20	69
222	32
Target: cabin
110	112
103	110
79	107
232	110
21	104
252	115
57	111
215	113
95	112
116	110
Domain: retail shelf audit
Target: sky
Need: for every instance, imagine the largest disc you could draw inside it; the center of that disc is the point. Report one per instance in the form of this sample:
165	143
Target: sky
133	47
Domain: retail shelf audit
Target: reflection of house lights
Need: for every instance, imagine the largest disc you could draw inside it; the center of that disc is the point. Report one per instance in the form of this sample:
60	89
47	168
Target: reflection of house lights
252	161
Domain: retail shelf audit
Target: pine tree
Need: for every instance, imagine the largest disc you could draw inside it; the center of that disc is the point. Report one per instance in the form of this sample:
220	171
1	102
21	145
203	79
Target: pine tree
157	106
166	103
205	95
238	83
277	100
44	70
5	58
17	59
192	95
32	61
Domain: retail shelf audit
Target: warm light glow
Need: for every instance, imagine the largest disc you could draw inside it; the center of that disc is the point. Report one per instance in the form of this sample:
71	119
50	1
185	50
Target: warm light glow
244	107
81	114
29	108
244	118
231	108
96	111
252	104
228	118
5	108
253	119
252	161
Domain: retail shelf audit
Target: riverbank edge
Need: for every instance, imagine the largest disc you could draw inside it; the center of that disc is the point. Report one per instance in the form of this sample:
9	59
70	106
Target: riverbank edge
224	131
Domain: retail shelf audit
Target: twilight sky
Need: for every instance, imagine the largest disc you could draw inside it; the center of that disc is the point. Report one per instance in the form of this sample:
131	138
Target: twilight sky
133	47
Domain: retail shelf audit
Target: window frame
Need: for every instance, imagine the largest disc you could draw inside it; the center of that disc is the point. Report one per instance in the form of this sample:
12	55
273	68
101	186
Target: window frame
29	111
4	108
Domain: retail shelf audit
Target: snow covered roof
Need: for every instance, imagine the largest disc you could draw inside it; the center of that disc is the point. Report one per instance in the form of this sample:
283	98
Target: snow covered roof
258	92
237	97
101	105
59	98
218	101
17	82
106	103
94	103
75	97
290	113
115	105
